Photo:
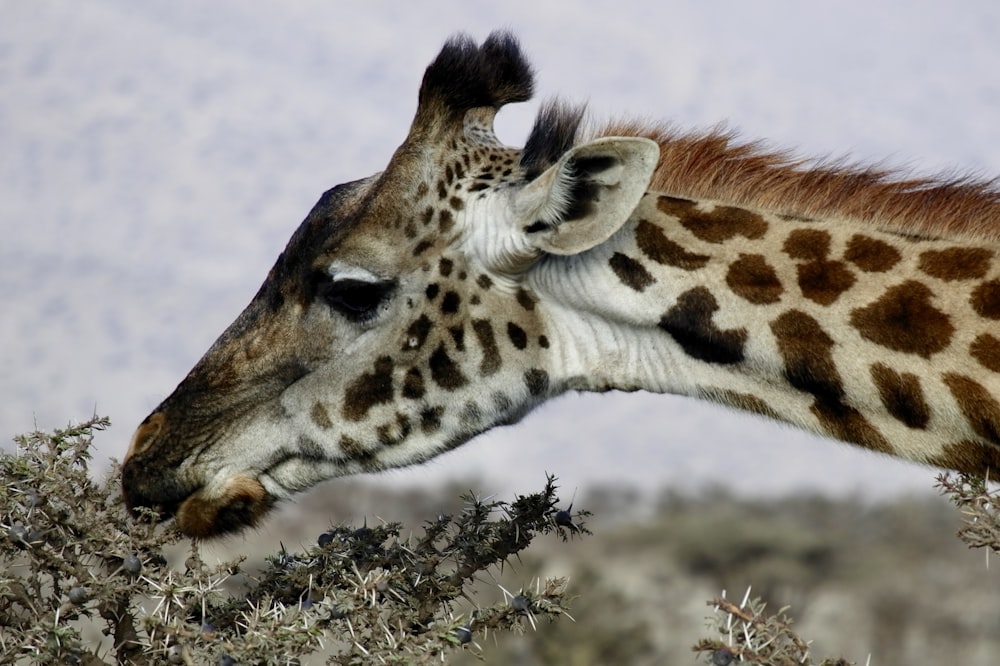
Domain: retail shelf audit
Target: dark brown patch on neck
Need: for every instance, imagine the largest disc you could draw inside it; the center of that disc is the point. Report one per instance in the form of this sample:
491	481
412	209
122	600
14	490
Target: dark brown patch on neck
824	281
870	254
808	244
807	351
690	323
970	457
956	263
902	396
904	320
656	246
986	350
985	300
753	279
744	401
632	273
980	408
721	224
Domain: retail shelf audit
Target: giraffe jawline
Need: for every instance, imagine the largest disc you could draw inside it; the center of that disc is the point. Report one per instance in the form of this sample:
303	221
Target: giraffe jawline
241	503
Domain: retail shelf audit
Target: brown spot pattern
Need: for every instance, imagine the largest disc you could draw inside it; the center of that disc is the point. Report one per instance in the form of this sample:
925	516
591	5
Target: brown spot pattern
824	281
656	246
368	390
353	449
517	336
471	414
537	381
753	279
904	320
723	223
980	408
413	384
986	350
457	334
416	334
985	299
971	457
320	416
744	401
393	434
675	206
632	273
491	353
807	351
690	323
430	419
444	371
445	221
450	303
808	244
902	396
525	299
956	263
870	254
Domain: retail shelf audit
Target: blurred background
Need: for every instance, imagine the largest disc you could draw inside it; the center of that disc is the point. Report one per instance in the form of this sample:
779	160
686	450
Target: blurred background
156	156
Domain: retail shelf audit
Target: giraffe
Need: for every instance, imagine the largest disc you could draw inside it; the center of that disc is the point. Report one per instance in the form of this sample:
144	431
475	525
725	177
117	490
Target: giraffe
470	281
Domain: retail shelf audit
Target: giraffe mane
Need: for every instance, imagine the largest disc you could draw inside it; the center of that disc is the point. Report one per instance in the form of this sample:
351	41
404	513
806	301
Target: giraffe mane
716	164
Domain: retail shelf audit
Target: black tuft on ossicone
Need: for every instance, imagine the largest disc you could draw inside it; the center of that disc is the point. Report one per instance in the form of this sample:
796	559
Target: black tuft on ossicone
467	76
553	133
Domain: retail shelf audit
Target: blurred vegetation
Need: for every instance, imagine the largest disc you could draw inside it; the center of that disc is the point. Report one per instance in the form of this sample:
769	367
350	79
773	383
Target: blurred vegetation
337	578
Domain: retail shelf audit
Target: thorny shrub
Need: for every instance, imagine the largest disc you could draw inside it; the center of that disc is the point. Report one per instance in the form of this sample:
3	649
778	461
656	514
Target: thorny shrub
71	559
748	634
73	565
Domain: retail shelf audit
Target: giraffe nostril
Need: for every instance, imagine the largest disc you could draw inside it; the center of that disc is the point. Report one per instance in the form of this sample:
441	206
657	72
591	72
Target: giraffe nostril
145	434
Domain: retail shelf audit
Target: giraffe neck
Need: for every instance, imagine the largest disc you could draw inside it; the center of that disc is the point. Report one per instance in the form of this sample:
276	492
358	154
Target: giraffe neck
834	326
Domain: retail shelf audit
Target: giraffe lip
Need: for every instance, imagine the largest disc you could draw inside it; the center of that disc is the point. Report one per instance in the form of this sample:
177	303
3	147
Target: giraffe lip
156	504
238	503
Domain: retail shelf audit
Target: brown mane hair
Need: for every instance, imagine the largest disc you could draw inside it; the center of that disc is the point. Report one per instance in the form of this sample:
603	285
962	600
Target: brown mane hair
716	165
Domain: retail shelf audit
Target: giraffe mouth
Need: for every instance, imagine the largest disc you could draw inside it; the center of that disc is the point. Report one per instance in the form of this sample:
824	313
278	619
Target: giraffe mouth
206	513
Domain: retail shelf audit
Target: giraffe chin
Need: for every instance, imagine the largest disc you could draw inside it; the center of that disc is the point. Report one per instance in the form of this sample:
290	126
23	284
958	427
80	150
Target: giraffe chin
242	502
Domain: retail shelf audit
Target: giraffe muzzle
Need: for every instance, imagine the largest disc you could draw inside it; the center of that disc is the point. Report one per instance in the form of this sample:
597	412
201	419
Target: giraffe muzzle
151	483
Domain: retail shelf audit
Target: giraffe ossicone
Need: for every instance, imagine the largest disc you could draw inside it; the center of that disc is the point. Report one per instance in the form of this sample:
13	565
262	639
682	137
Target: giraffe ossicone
470	281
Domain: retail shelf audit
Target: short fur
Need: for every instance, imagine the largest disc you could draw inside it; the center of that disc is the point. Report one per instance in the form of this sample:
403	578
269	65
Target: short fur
716	165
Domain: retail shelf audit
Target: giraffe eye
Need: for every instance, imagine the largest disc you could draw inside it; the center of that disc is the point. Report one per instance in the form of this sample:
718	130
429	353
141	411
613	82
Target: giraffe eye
355	299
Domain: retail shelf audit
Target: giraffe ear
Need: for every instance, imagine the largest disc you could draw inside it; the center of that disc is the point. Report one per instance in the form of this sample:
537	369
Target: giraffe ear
587	195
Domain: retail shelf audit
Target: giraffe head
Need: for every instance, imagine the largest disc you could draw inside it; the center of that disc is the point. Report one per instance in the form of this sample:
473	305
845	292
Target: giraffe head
397	323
